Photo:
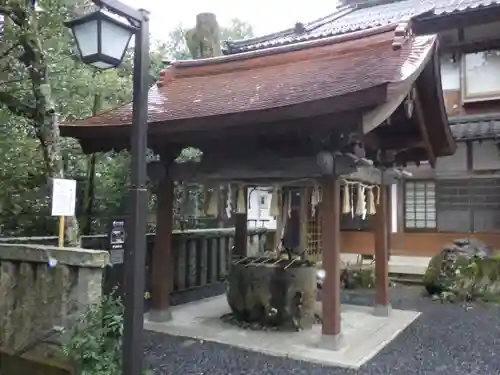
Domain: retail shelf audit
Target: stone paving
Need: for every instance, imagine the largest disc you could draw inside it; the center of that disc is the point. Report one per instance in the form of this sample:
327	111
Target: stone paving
363	334
446	339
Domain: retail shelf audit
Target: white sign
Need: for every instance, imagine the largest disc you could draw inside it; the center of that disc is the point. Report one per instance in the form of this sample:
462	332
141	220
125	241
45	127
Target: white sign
63	197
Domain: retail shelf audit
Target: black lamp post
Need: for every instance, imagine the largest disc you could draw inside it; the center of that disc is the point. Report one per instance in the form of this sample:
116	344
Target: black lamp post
102	41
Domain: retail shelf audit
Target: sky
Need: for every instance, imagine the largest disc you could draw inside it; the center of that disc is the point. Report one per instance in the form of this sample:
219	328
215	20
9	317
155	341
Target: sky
265	16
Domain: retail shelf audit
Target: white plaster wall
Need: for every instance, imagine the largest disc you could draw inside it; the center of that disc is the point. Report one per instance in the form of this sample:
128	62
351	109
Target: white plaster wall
450	73
485	155
455	162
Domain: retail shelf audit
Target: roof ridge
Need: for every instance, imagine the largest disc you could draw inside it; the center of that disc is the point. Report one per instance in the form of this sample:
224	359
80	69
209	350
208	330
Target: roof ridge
339	12
334	39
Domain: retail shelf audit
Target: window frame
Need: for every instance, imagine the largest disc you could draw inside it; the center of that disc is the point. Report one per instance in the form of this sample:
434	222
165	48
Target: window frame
405	210
466	98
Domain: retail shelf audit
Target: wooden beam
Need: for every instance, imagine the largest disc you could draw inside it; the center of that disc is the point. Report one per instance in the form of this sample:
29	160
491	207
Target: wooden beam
431	97
265	120
422	125
268	169
377	116
207	138
449	21
386	139
472	46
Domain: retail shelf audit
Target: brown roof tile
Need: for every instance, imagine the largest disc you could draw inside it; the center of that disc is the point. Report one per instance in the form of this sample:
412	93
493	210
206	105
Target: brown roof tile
260	80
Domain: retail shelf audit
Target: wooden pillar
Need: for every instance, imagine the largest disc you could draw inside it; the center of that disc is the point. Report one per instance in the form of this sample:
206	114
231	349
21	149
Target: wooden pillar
304	219
161	259
389	220
382	303
241	230
280	222
240	235
330	227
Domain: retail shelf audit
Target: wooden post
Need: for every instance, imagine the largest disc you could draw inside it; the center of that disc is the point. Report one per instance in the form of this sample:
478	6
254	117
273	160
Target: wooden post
304	218
389	220
161	259
280	222
60	240
382	303
241	231
330	226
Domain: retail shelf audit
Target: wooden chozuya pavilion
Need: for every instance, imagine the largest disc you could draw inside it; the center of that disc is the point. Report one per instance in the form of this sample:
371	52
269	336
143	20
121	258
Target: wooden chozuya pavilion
311	111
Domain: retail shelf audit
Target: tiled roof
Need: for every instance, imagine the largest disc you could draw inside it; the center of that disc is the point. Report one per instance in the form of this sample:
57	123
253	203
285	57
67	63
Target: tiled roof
261	81
475	128
353	18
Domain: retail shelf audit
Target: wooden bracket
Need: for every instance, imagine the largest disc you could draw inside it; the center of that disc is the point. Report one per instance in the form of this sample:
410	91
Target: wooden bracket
402	33
420	119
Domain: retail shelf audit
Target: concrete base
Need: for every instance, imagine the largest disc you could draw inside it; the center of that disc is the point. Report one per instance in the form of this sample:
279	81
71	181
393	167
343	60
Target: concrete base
383	311
404	265
363	334
159	316
331	342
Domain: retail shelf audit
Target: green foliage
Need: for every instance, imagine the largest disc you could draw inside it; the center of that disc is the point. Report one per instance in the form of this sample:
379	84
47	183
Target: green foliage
176	47
478	279
94	347
78	91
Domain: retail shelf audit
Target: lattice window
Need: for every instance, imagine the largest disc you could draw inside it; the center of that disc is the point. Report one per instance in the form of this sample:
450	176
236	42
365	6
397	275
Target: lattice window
314	249
420	205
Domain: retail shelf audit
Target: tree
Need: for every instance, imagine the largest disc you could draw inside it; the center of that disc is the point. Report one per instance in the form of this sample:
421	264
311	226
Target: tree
31	151
29	62
176	46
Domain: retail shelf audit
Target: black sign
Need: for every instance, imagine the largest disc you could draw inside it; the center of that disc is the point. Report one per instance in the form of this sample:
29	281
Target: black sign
116	241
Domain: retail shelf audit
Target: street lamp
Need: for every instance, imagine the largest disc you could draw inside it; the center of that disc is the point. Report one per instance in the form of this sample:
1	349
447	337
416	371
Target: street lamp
102	41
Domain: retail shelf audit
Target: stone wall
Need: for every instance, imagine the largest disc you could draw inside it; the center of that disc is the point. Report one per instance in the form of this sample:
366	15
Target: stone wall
41	287
201	257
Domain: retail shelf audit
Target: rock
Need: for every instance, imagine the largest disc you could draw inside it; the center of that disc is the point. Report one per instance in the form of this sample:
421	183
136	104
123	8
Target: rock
443	270
255	326
352	277
357	277
272	291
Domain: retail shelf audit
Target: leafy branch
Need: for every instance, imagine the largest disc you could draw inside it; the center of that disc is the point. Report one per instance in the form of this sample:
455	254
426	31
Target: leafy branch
14	13
16	106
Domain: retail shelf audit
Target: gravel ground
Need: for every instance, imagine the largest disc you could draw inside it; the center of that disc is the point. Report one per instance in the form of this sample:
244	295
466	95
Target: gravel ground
447	339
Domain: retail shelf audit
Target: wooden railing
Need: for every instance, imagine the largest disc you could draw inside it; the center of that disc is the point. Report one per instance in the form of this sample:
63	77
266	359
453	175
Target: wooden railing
201	256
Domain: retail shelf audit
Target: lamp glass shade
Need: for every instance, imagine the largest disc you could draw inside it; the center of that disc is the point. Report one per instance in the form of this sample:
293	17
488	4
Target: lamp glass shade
102	40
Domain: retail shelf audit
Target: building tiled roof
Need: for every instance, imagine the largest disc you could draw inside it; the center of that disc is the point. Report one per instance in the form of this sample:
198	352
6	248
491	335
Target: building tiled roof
470	128
260	81
354	18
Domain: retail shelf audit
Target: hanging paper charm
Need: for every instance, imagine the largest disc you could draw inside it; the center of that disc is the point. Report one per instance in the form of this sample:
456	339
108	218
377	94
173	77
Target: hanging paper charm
346	206
229	202
360	201
241	206
213	202
315	200
274	209
371	202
